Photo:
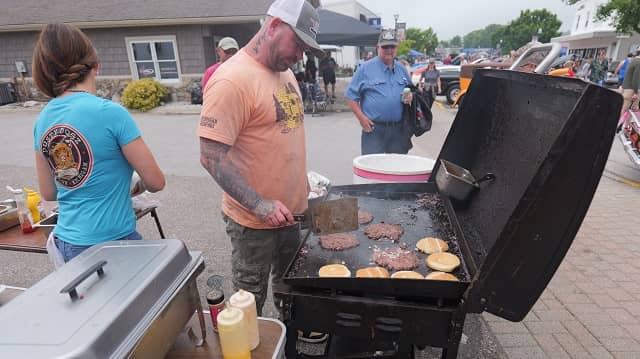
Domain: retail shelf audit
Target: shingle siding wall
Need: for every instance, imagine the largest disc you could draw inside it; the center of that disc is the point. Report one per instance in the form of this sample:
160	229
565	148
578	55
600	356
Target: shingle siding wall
112	50
15	47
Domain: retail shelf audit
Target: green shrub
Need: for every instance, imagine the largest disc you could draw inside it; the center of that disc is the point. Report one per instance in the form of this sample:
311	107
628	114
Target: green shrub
143	94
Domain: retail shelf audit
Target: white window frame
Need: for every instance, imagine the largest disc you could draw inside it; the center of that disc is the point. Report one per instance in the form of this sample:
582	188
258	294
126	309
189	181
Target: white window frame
151	39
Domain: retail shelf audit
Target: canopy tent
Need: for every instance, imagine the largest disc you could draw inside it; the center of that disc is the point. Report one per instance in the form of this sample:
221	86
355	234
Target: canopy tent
342	30
414	53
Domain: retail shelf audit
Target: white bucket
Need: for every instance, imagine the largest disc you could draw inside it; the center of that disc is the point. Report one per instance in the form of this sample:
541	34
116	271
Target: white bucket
391	167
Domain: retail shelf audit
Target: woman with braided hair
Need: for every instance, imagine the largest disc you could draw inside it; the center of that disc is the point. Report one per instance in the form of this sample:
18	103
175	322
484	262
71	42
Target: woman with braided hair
86	147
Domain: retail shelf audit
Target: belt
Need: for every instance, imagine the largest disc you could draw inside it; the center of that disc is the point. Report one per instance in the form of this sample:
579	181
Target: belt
388	123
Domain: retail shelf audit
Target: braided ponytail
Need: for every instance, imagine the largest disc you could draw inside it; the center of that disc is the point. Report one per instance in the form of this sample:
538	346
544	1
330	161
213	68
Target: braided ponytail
63	57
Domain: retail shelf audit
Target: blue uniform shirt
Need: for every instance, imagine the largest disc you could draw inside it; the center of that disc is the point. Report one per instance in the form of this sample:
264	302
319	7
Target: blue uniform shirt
81	136
379	90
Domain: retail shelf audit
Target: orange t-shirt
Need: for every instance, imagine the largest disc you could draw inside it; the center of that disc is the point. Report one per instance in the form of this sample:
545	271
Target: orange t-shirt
259	113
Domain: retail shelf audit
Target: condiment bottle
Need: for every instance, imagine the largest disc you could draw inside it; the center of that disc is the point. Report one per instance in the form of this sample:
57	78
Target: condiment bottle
33	203
233	334
246	301
215	299
24	215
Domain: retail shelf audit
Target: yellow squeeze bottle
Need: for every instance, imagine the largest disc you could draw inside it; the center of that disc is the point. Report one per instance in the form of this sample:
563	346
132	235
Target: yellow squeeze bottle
246	302
33	203
233	334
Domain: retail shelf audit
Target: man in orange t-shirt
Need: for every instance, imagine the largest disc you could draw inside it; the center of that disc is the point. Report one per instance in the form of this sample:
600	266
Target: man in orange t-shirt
252	142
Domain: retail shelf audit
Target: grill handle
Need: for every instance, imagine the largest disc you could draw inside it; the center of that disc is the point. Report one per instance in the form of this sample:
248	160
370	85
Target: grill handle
71	287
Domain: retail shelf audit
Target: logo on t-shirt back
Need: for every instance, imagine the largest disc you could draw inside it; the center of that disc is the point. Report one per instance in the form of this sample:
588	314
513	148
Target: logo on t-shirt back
69	155
289	110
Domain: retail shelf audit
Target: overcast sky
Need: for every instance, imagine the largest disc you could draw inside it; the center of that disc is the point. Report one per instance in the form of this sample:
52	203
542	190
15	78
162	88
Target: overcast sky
459	17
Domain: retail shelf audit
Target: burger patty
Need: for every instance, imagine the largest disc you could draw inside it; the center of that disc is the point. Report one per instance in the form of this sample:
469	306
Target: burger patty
384	230
338	241
364	217
396	258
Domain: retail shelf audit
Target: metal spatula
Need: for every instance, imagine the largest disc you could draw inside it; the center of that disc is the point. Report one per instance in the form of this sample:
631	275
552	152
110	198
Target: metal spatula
331	216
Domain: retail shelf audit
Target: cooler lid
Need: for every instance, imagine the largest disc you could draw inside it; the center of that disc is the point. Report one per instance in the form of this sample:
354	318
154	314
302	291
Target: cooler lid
547	140
111	312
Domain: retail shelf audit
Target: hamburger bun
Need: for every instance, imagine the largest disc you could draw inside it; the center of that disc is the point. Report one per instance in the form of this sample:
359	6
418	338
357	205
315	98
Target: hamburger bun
444	262
431	245
407	274
442	276
372	272
334	270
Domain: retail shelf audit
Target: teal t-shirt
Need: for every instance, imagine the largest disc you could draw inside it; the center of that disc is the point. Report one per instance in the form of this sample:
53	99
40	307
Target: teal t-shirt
81	137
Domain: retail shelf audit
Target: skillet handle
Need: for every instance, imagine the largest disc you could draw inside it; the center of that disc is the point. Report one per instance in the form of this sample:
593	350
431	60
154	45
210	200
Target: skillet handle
71	287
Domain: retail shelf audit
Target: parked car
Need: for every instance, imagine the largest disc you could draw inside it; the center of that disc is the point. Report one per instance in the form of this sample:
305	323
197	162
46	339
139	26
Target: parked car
449	80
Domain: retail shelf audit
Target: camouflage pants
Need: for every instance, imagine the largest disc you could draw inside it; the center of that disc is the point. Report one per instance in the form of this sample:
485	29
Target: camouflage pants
258	253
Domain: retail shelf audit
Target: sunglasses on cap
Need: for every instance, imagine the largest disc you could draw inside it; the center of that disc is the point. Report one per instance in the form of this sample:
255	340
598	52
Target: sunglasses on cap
230	51
387	47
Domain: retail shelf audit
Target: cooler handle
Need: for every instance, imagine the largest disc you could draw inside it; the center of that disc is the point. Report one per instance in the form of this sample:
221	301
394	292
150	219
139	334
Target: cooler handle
71	287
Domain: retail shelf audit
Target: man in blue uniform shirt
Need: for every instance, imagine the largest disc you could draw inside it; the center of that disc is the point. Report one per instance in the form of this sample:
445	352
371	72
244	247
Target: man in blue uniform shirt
375	97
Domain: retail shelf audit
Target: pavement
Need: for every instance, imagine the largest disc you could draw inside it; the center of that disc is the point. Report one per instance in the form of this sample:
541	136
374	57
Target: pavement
590	309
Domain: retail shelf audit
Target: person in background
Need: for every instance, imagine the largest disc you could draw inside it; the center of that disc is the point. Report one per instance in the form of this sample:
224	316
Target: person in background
430	80
600	66
86	147
631	82
328	71
621	69
584	72
310	69
252	129
375	97
227	47
369	56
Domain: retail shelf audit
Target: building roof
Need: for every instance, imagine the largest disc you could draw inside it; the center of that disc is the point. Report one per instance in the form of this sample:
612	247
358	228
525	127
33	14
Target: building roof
22	15
585	36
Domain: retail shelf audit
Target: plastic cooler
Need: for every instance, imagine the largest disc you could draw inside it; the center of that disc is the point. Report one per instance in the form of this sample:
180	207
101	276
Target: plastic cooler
391	167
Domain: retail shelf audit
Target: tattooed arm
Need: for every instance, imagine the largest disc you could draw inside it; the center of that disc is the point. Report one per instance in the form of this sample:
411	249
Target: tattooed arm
213	157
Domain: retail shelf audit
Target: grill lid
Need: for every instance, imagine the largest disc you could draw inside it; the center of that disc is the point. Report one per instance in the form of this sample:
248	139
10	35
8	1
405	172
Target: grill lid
111	312
547	140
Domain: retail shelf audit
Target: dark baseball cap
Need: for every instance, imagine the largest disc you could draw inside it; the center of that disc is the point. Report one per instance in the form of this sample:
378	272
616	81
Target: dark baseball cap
387	37
303	19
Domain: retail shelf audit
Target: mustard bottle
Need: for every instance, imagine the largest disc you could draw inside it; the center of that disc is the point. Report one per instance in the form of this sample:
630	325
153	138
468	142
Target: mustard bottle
246	302
233	334
33	203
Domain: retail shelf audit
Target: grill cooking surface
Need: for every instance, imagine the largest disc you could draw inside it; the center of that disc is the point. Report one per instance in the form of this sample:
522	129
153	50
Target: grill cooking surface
420	215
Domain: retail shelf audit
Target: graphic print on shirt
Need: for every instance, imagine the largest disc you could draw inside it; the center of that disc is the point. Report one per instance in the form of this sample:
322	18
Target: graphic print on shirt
289	110
69	155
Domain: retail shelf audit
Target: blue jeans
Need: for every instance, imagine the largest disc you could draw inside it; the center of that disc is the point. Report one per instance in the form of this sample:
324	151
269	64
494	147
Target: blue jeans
386	138
69	251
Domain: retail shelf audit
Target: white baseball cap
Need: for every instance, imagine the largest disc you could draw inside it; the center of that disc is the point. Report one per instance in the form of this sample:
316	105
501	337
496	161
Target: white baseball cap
303	19
227	43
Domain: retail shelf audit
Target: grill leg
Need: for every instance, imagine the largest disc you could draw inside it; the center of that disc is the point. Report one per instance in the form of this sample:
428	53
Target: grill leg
455	334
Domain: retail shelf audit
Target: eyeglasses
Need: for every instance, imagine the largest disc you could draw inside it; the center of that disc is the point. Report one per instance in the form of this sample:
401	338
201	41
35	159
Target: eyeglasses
387	47
230	51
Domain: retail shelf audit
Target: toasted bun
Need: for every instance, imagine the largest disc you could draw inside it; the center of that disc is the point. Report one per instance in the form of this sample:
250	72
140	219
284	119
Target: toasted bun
372	272
431	245
334	270
445	262
407	274
441	276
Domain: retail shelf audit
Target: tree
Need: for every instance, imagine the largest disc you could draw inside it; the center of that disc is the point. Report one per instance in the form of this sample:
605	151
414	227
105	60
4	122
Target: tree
404	46
540	23
456	41
423	40
624	15
484	37
444	43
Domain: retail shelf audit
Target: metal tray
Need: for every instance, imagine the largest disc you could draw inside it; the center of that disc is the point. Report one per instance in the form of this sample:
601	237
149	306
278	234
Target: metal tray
113	312
8	215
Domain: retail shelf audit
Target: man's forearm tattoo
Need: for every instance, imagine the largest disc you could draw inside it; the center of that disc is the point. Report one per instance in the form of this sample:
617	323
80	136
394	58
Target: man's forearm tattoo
213	157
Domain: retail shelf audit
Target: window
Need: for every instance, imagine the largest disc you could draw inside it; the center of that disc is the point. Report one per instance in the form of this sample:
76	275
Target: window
155	57
586	21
